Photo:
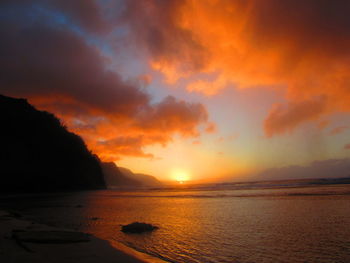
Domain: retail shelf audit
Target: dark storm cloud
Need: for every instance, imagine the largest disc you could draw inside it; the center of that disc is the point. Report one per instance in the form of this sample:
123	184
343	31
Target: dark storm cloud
318	169
86	14
155	28
48	62
57	70
307	24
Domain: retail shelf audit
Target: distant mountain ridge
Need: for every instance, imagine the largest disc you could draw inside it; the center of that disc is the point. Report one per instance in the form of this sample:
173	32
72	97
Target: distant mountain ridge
115	178
145	179
38	154
120	177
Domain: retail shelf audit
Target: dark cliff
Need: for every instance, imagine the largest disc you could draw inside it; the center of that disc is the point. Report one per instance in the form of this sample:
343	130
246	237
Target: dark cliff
38	154
144	179
114	178
119	177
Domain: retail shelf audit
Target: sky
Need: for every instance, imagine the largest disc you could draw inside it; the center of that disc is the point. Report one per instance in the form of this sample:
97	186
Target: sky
188	90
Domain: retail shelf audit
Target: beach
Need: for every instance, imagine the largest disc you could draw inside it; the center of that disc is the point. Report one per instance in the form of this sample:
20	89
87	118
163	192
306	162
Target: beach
92	250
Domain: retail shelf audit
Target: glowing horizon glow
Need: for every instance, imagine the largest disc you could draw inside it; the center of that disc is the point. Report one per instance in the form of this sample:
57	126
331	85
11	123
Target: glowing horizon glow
180	176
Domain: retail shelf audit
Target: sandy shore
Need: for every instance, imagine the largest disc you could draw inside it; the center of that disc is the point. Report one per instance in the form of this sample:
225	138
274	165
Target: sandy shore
16	246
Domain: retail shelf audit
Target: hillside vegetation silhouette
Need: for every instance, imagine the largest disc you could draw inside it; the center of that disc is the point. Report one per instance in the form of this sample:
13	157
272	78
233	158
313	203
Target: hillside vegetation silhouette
116	177
38	154
144	179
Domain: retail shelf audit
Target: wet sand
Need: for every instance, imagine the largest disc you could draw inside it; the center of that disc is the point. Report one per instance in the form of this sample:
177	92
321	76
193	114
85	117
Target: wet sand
61	248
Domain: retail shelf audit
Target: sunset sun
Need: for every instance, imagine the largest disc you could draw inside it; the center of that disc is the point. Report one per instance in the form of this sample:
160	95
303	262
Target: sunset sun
180	176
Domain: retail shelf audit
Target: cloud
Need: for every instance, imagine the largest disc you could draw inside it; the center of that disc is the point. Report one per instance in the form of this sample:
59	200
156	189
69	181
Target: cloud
282	118
47	54
85	14
338	130
332	168
126	146
323	124
298	47
196	142
173	115
154	28
49	62
220	139
57	68
211	128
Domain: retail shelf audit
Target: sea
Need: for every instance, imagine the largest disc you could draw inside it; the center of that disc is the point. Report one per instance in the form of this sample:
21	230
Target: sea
285	221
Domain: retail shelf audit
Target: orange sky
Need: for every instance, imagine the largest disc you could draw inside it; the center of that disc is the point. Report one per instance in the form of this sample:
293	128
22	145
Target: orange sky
206	89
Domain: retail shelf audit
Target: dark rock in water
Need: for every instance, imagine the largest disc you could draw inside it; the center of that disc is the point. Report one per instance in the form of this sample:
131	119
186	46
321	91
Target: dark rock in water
14	214
7	215
50	237
138	227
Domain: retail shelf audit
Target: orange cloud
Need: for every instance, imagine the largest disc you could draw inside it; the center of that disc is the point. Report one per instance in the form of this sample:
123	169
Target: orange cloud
282	118
323	124
211	128
196	142
297	46
112	135
59	72
233	136
220	139
338	130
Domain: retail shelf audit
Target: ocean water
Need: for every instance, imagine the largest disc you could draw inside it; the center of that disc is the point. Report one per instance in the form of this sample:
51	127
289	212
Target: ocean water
212	224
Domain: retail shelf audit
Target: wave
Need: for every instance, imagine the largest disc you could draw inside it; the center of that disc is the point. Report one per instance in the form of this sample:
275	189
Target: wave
310	191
